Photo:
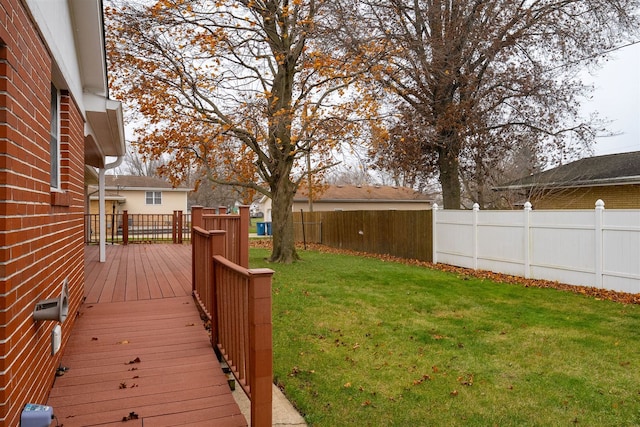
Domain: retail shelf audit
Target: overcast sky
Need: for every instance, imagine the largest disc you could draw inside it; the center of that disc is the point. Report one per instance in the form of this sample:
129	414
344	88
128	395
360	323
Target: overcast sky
617	98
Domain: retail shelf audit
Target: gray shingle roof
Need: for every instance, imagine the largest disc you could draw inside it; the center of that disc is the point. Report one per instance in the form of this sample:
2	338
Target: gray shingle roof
612	169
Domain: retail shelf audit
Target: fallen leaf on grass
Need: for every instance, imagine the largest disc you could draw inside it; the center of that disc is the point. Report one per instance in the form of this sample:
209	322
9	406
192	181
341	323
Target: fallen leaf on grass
454	393
424	378
468	381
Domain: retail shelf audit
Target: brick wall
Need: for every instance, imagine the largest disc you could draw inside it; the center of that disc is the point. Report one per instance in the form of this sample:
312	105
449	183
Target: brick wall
41	233
614	197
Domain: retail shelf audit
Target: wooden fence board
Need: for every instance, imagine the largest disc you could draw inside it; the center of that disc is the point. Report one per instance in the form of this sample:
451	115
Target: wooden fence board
406	234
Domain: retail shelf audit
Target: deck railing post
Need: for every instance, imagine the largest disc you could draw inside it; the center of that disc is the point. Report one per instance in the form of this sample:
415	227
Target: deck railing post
196	221
222	210
174	227
125	227
244	236
196	216
260	347
216	247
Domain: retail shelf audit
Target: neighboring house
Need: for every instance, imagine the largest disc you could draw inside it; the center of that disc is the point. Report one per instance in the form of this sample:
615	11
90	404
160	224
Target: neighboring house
355	198
140	195
57	124
614	178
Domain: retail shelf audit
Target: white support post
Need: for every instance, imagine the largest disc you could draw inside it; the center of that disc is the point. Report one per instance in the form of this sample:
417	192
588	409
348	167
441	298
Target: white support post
527	240
434	241
598	242
476	209
102	216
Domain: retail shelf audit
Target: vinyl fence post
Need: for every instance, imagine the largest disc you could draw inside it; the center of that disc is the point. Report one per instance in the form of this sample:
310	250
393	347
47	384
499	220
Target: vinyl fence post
599	213
527	240
476	209
434	233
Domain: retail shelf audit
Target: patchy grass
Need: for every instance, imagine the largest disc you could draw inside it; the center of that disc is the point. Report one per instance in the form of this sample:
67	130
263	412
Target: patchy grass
363	342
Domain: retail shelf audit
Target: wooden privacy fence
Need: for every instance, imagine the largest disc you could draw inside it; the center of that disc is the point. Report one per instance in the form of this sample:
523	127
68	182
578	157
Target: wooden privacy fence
237	302
405	234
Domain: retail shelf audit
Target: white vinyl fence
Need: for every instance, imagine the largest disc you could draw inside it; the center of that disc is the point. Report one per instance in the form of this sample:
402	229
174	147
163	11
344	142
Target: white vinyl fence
598	248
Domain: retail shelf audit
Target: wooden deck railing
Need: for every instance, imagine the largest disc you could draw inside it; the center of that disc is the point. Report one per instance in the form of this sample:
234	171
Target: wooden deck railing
242	331
237	302
236	227
128	228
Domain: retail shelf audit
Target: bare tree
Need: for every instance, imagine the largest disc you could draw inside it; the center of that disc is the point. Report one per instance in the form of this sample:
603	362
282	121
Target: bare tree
137	165
481	77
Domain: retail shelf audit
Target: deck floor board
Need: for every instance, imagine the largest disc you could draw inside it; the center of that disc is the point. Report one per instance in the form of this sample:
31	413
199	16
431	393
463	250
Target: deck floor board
139	347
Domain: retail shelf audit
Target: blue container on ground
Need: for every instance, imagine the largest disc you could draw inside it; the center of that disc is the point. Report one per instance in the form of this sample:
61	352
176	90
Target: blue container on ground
260	228
268	228
34	415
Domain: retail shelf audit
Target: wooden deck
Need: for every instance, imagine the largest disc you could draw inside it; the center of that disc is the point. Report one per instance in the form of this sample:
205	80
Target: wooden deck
139	351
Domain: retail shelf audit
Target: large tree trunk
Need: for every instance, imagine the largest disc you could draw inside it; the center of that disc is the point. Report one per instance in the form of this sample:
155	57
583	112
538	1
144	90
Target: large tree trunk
449	166
284	249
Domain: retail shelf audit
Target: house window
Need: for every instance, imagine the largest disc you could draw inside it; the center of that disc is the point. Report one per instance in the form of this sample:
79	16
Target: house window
154	197
54	140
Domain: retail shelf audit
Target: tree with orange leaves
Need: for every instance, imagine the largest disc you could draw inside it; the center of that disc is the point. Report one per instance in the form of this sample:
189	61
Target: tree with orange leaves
248	91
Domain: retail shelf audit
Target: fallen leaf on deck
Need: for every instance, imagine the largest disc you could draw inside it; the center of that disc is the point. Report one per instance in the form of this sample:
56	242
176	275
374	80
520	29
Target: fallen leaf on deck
131	362
131	416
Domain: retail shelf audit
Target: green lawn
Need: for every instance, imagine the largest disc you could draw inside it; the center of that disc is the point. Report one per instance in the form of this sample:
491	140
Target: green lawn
363	342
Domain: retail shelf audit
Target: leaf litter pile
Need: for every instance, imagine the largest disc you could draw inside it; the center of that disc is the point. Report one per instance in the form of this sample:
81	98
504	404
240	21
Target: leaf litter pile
465	273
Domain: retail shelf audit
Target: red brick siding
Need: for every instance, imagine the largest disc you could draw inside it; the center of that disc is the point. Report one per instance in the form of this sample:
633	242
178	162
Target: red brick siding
40	243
